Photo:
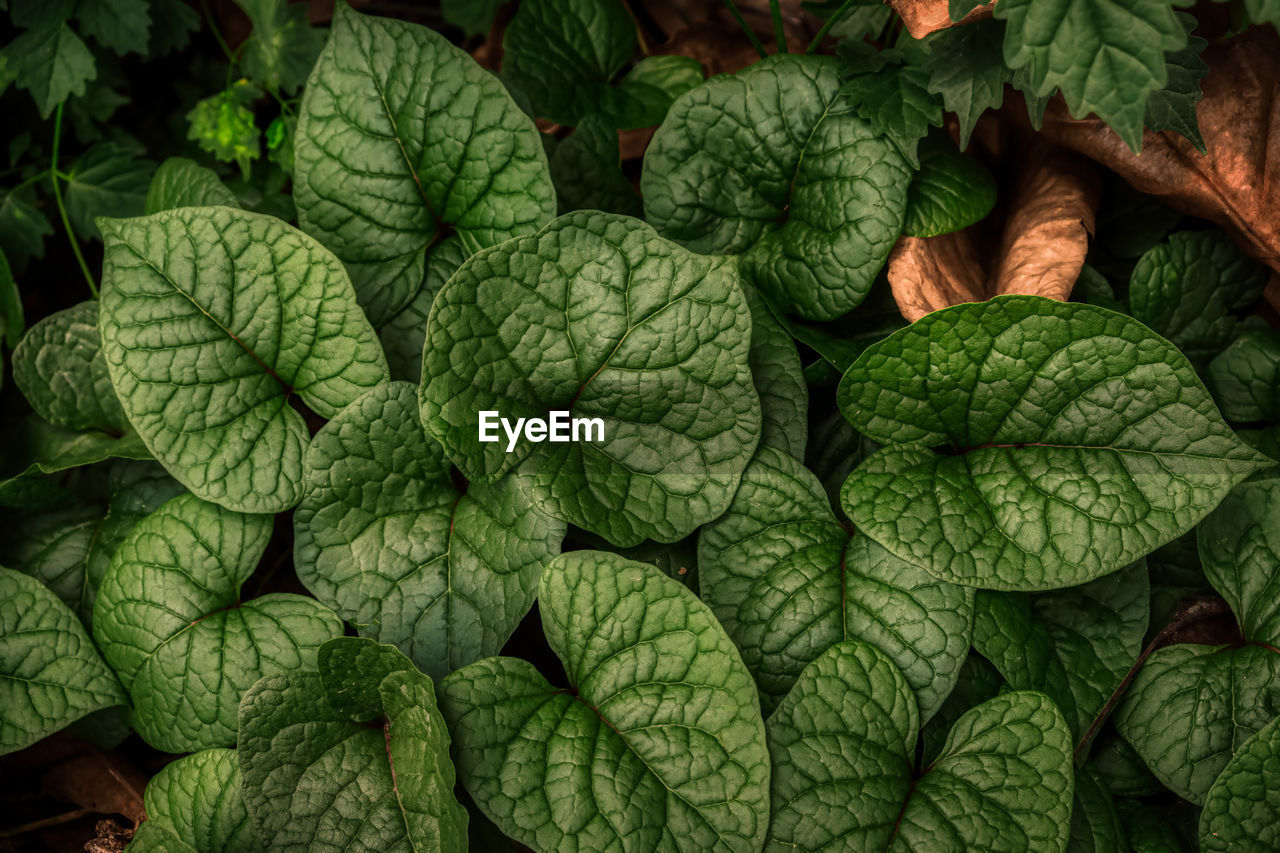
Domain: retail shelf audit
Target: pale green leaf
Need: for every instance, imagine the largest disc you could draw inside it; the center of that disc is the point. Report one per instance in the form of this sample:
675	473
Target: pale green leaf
194	805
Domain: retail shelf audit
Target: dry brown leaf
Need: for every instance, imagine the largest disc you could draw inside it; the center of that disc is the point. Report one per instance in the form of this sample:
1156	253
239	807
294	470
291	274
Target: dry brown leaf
1045	236
1237	183
922	17
99	781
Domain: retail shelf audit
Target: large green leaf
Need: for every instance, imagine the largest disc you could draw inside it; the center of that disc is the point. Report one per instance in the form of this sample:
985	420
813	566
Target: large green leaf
403	140
385	538
194	805
1074	441
1186	287
180	182
787	581
50	673
842	744
598	316
52	545
170	620
657	744
60	369
896	101
1245	377
1075	645
773	164
1174	106
369	772
212	320
1242	810
109	179
1106	55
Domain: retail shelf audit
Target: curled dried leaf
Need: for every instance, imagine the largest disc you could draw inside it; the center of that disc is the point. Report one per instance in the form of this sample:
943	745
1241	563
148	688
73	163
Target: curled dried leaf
922	17
1236	184
1044	239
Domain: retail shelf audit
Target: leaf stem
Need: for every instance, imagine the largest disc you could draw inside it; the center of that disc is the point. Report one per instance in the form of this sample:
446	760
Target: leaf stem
1198	611
217	33
830	22
775	10
742	22
62	208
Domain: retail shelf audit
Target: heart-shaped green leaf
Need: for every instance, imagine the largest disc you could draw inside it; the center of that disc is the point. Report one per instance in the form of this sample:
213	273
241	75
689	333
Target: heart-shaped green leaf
1242	811
194	805
212	320
772	163
842	744
402	140
385	538
59	368
50	673
1074	441
598	316
170	621
657	744
787	581
180	182
370	773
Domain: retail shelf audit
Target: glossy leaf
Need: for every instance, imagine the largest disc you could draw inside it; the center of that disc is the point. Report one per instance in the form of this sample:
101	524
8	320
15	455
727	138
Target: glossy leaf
212	320
1075	441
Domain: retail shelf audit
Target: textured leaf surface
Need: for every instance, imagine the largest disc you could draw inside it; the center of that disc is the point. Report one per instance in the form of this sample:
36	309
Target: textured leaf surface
1239	547
282	46
779	380
966	67
212	320
52	63
51	546
771	163
384	537
597	315
1245	377
787	582
109	179
180	182
170	621
896	101
1186	287
950	192
402	140
587	172
60	369
1174	106
50	673
1242	810
1077	441
404	334
195	804
1107	56
315	777
842	744
657	745
1095	825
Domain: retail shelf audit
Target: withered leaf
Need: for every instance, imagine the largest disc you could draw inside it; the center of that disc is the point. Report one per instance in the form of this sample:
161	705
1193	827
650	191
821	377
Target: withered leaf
1045	236
922	17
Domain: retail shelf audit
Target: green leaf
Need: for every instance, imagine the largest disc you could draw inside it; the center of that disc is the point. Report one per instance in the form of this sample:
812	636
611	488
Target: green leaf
170	620
1107	56
978	681
1263	11
51	63
1149	828
898	105
384	538
282	46
22	226
124	26
311	772
194	805
951	191
1174	106
656	745
107	180
37	447
565	53
60	369
50	673
180	182
1242	809
212	319
223	125
1186	288
1120	768
1095	825
779	381
405	334
172	22
586	317
51	546
1191	707
587	172
1239	547
382	184
772	164
650	88
1076	441
473	17
1075	645
788	582
1245	377
842	744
